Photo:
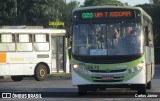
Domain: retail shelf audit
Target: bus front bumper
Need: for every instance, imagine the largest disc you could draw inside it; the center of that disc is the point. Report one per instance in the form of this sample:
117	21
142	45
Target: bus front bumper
139	78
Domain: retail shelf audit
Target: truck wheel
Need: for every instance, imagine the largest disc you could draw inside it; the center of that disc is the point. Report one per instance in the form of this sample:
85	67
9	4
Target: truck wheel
40	72
17	78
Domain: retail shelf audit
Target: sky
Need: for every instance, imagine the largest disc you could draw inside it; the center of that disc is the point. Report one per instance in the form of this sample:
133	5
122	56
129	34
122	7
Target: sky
130	2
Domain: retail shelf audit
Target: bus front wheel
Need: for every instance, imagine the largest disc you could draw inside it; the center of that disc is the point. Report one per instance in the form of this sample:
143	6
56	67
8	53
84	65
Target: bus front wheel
141	89
40	72
149	85
17	78
82	90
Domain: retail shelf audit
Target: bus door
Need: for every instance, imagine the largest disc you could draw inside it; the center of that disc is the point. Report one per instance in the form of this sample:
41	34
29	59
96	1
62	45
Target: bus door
148	54
57	45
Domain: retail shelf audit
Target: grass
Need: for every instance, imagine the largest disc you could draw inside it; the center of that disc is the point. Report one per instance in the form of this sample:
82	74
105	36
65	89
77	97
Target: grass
59	76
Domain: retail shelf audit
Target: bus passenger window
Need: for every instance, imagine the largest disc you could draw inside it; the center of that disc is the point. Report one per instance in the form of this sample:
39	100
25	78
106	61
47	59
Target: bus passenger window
24	38
7	42
41	38
24	42
41	42
6	38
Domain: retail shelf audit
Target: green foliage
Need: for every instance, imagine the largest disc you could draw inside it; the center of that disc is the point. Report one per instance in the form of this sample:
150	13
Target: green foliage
70	6
35	12
99	2
6	11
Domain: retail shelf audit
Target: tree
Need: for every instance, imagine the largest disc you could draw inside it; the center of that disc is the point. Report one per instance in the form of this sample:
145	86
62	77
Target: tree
7	12
100	2
155	2
21	12
59	11
53	11
35	12
30	12
68	11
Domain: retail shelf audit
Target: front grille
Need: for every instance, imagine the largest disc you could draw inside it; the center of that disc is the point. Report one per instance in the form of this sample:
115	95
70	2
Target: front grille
118	77
108	71
107	80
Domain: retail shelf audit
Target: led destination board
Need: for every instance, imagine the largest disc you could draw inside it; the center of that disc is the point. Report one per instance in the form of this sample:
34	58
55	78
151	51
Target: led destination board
112	14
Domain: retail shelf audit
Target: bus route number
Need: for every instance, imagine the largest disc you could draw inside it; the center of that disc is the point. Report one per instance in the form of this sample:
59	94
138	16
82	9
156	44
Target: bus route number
92	67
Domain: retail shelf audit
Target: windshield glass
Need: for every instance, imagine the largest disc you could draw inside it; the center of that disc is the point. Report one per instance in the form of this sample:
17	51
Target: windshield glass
107	39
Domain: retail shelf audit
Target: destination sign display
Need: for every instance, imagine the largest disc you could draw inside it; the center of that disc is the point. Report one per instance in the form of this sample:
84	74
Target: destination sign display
106	14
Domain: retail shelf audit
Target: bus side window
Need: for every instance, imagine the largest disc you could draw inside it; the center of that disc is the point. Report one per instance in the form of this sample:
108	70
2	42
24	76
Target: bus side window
24	42
41	42
40	38
6	38
7	42
24	38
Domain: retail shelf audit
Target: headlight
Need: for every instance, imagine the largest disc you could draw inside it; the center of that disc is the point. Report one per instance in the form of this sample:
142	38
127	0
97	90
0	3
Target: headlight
135	69
77	68
141	65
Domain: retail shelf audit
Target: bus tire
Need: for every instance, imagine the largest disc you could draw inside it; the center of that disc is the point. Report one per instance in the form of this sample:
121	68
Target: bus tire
142	89
40	72
82	90
149	85
17	78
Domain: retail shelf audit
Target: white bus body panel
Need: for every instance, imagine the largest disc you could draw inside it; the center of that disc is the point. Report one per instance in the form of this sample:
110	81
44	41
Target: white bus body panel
23	63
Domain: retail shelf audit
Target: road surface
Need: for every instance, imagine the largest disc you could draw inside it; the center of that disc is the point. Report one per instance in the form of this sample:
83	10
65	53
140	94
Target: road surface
62	90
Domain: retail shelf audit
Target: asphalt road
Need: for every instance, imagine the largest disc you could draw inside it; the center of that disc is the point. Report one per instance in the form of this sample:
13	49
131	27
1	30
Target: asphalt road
62	90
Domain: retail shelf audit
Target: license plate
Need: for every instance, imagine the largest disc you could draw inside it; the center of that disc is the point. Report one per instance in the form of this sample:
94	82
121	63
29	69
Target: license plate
107	77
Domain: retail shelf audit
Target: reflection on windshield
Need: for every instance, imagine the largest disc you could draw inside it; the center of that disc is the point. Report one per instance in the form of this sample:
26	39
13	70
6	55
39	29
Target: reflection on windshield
107	39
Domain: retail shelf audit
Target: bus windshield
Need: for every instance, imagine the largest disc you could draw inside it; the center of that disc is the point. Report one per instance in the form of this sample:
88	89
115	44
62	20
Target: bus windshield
107	39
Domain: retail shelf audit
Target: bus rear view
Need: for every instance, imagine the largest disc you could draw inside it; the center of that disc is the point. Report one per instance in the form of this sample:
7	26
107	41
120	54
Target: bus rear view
112	46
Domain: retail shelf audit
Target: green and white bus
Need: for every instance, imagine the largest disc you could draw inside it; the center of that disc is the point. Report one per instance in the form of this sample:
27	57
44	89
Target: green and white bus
112	46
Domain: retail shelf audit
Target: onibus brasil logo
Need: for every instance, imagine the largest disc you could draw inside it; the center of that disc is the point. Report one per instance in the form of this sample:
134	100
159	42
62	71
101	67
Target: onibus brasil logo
21	96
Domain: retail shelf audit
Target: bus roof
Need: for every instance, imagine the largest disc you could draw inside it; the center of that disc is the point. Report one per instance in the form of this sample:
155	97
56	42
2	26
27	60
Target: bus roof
118	7
34	31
